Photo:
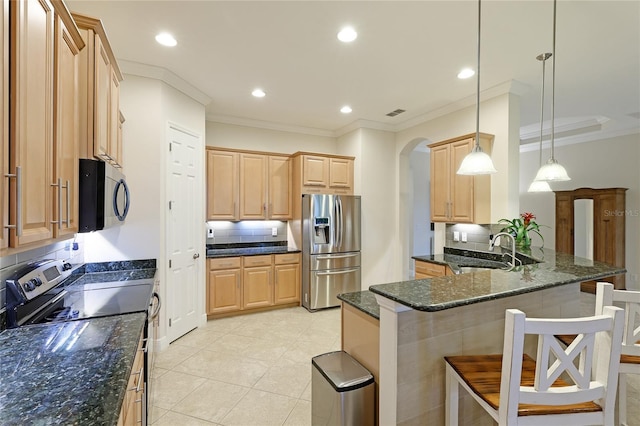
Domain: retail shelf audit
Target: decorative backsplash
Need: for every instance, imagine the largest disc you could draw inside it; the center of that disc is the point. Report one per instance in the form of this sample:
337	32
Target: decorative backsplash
477	236
248	231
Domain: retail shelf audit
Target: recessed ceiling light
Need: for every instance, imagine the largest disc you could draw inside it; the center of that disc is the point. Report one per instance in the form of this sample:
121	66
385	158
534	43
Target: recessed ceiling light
347	34
346	109
259	93
166	39
466	73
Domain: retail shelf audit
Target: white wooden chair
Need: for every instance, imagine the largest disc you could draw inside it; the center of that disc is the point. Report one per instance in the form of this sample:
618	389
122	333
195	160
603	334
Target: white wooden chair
630	353
521	391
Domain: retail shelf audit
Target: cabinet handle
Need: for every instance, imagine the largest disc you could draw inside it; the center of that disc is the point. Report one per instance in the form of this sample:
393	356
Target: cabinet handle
18	177
68	190
59	221
140	380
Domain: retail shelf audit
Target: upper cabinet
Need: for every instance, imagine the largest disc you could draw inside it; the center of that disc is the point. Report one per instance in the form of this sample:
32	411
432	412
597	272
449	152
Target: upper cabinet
4	120
42	165
99	91
459	198
243	185
323	174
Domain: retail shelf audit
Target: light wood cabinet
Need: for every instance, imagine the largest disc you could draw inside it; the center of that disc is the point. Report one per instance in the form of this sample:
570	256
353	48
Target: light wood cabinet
222	185
245	185
257	284
224	292
458	198
131	412
4	121
286	278
430	270
99	91
323	174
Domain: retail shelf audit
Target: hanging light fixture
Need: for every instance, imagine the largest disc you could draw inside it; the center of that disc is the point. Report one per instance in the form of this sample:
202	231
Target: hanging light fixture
477	162
553	171
541	185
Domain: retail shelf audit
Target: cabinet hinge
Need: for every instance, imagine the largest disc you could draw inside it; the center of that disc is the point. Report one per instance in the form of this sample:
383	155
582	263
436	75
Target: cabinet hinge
170	146
169	263
169	322
170	204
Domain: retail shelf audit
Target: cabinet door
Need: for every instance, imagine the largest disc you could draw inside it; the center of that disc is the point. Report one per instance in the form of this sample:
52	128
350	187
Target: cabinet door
114	119
287	284
564	224
439	171
429	270
315	171
4	120
253	187
102	85
65	201
341	175
461	207
223	291
31	142
280	200
119	140
256	287
222	185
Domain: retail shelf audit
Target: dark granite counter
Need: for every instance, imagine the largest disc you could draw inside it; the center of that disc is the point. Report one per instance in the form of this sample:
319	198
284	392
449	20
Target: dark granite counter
364	301
249	251
452	291
72	373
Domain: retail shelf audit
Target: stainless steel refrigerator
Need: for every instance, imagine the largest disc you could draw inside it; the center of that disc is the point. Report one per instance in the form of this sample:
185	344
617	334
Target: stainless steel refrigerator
330	248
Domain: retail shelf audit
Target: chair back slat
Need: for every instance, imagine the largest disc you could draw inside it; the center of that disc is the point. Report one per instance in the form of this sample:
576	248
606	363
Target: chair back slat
606	295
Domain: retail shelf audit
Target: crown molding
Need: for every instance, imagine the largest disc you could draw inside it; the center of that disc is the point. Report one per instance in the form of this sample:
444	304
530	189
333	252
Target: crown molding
582	138
569	127
166	76
269	125
364	124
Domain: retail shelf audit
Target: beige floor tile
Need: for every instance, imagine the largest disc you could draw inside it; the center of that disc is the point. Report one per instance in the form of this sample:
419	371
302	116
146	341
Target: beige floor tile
177	419
224	367
155	413
172	387
300	415
231	343
306	395
288	381
260	408
226	325
303	351
199	338
211	401
173	356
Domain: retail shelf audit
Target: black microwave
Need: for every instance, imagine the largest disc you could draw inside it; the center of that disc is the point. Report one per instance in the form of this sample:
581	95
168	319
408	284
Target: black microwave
104	196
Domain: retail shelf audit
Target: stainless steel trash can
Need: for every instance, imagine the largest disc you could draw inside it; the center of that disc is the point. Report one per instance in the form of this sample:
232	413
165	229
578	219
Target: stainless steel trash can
342	391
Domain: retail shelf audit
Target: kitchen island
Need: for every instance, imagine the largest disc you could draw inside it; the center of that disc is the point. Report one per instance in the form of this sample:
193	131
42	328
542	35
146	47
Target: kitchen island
421	321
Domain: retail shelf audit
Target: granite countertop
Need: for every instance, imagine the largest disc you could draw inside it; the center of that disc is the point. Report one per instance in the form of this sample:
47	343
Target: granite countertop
364	301
448	292
71	373
249	251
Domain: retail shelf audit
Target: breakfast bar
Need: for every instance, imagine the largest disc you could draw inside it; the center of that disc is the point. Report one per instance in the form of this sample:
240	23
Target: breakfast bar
421	321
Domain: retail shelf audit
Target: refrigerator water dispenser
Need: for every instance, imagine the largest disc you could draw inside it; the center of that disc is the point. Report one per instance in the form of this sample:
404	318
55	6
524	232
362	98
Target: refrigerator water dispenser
321	230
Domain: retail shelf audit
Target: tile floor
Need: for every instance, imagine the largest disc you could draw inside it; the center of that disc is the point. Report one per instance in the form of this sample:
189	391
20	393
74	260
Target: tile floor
256	370
247	370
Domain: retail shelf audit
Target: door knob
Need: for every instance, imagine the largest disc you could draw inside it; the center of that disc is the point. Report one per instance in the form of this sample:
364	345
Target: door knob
197	255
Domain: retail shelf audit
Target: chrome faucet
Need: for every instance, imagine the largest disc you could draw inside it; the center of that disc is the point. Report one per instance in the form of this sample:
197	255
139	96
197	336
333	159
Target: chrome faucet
492	245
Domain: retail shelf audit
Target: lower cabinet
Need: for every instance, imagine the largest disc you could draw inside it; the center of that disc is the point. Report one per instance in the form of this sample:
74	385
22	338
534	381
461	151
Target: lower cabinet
238	284
132	405
430	270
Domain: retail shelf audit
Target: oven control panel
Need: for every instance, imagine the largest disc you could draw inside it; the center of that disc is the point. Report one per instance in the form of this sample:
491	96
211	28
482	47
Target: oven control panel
40	277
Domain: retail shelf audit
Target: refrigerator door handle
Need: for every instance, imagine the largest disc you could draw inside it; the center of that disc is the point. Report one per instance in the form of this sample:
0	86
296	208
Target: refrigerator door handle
341	272
337	256
340	220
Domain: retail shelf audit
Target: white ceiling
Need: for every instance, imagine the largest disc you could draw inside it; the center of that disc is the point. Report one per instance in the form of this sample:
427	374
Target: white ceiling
406	56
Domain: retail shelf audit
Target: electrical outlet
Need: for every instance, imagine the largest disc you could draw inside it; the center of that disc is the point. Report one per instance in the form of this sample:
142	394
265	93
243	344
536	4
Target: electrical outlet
274	232
210	233
464	237
456	236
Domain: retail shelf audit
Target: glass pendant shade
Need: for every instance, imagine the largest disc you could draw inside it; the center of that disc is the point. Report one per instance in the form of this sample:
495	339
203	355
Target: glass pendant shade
539	186
477	162
552	172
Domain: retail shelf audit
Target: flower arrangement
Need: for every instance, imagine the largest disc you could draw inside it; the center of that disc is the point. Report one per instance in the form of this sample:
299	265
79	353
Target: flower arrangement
520	228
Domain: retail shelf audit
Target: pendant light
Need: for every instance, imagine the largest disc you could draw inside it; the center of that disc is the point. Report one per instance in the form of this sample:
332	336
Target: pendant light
553	171
477	162
541	185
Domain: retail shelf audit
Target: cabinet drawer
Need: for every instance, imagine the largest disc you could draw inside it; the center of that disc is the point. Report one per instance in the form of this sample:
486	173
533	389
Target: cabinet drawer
250	261
426	268
224	263
284	259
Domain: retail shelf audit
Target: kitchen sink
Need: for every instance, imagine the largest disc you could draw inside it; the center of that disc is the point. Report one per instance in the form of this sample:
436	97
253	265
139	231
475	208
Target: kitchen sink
468	269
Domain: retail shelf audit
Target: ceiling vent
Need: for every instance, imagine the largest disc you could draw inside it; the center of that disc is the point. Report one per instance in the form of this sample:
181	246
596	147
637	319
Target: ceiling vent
396	112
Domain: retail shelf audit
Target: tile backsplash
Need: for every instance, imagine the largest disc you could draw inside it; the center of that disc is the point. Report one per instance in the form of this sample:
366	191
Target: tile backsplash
477	236
248	231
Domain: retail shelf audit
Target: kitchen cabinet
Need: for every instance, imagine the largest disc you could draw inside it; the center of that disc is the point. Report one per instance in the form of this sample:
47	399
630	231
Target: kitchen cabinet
222	185
43	112
99	91
224	285
323	174
458	198
131	413
247	185
286	278
4	120
430	270
608	227
257	285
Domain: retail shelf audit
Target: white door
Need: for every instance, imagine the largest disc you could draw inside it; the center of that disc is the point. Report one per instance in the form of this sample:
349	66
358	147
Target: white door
184	232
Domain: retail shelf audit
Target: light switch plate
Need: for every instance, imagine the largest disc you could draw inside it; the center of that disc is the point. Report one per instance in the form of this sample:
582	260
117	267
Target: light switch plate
274	232
456	236
464	237
210	233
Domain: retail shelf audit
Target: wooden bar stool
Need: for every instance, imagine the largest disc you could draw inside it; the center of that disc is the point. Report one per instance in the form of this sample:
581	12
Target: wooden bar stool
521	391
630	353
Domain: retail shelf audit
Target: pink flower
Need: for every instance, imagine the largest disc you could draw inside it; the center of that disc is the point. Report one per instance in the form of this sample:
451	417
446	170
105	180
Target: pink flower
527	217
